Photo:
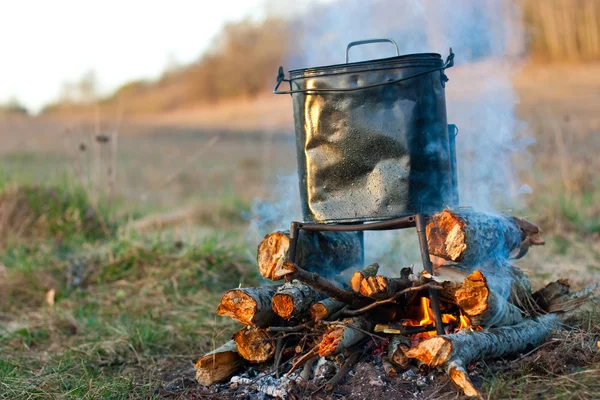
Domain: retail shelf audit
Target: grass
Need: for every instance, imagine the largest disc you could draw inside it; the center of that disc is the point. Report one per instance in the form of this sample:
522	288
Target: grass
86	316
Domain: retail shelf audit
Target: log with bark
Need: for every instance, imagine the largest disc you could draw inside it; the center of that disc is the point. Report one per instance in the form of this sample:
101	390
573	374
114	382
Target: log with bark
398	347
472	237
343	335
325	308
254	344
325	252
250	306
218	365
294	299
291	271
454	352
483	306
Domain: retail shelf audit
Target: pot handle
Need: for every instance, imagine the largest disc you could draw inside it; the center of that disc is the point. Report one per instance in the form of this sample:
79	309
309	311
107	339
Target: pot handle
368	41
281	78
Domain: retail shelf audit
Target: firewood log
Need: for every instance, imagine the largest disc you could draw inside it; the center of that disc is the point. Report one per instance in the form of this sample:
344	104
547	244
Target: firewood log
293	299
380	287
290	270
218	365
250	306
254	344
325	308
454	352
343	335
472	237
481	304
397	349
327	253
359	276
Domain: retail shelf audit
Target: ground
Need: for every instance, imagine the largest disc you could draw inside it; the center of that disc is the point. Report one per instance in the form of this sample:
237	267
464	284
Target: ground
114	253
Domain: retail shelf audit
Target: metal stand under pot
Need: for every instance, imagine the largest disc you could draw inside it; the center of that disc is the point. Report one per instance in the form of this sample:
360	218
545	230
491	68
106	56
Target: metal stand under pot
374	148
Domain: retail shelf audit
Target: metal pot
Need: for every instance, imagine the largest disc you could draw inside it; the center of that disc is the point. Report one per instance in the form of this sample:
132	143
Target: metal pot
372	137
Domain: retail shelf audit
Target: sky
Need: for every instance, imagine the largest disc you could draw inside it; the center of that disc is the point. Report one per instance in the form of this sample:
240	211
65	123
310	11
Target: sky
44	43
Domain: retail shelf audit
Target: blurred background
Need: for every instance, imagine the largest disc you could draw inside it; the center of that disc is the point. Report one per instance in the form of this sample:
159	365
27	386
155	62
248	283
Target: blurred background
142	152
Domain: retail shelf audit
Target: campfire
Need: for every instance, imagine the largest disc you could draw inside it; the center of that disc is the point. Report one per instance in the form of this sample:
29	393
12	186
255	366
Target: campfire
467	302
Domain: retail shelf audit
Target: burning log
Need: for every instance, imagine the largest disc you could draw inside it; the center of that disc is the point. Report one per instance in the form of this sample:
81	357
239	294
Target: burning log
291	270
454	352
343	335
325	308
472	238
254	344
482	305
326	252
250	306
293	299
218	365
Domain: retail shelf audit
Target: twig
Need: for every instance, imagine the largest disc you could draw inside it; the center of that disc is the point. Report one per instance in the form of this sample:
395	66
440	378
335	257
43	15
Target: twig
307	356
278	353
353	313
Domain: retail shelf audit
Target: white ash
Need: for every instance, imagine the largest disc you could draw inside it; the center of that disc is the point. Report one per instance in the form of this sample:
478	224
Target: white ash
324	370
265	383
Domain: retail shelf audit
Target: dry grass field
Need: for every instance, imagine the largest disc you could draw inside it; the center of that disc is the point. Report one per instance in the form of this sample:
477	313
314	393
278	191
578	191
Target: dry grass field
119	235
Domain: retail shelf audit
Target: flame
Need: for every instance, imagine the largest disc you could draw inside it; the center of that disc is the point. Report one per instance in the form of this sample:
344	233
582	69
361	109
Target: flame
463	322
426	318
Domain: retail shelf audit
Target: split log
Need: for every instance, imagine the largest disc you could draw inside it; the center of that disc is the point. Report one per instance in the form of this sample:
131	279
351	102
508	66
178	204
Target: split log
292	271
471	237
359	276
254	344
454	352
325	252
293	299
218	365
397	349
380	287
481	304
325	308
250	306
343	335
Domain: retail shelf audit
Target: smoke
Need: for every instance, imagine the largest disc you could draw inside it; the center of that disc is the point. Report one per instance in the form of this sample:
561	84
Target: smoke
487	36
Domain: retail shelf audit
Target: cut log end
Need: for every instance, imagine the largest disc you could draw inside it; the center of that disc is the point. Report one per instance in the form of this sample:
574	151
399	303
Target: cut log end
331	342
283	305
446	236
272	253
238	306
254	344
472	296
219	365
433	352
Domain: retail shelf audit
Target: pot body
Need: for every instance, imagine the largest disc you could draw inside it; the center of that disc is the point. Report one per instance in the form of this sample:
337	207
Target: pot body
379	150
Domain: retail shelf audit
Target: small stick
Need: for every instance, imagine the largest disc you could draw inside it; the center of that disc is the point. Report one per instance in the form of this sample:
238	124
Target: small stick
313	352
278	353
308	367
348	364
